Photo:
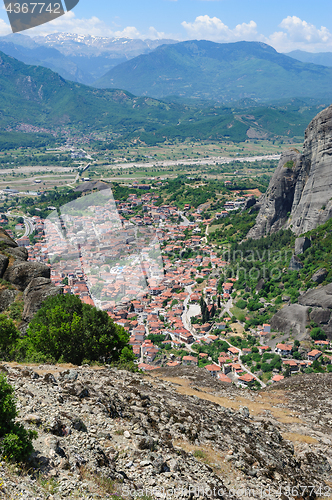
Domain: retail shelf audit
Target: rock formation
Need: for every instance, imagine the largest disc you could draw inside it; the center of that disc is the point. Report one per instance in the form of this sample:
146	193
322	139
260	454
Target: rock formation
299	196
314	305
19	275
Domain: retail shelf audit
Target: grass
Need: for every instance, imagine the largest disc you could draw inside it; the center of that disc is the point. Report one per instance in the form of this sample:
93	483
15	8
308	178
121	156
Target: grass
295	437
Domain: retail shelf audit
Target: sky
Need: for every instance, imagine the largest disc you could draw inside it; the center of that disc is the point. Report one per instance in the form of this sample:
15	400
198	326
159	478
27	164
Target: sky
284	24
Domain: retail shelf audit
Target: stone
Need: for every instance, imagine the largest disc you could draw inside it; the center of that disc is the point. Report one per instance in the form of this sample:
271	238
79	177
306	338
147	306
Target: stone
7	297
295	264
33	419
6	240
293	317
301	245
127	434
320	275
37	291
22	273
19	253
4	261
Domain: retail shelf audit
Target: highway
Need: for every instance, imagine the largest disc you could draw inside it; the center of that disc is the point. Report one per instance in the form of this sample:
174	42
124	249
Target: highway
28	223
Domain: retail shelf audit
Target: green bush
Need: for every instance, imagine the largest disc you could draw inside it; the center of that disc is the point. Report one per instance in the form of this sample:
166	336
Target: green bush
15	440
318	334
241	304
65	328
8	335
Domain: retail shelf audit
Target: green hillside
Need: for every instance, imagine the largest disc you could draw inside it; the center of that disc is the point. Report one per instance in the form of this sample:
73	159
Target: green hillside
36	96
223	72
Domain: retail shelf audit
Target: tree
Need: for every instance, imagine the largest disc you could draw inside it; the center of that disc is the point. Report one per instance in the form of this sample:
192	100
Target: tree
65	328
15	440
287	372
318	334
219	303
8	335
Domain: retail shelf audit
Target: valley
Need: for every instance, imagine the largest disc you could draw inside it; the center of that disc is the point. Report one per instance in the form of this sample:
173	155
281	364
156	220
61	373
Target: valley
165	270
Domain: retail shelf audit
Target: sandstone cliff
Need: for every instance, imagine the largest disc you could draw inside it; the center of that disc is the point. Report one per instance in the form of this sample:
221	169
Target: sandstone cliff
299	196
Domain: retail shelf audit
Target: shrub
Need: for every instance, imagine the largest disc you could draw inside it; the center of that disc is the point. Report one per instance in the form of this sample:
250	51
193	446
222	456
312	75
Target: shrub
318	334
15	440
8	335
65	328
241	304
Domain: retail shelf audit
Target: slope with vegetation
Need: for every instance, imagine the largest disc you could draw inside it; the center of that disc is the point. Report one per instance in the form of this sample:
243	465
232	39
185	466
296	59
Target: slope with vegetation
219	71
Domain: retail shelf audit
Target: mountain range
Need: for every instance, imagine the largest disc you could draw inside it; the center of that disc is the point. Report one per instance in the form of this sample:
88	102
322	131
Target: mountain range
222	72
80	58
33	96
322	58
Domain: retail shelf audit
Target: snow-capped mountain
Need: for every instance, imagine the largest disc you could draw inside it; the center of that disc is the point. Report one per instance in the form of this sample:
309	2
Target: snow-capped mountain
81	58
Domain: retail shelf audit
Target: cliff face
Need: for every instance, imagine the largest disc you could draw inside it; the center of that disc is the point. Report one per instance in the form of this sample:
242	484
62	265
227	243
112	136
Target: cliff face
300	191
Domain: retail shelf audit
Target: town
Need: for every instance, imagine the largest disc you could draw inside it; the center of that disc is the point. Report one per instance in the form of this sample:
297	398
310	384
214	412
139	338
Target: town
156	275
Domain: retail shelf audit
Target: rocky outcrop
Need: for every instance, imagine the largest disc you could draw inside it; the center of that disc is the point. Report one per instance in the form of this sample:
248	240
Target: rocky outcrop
301	245
292	318
300	192
320	275
314	305
38	290
276	203
295	264
21	273
132	431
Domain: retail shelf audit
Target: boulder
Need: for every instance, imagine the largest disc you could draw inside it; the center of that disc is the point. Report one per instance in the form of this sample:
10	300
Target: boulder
7	297
38	290
6	240
22	273
320	316
295	264
319	297
19	253
293	317
4	261
320	275
301	245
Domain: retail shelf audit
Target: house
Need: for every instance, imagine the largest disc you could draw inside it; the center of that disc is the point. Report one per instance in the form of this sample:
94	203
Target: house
223	378
145	367
213	369
246	380
266	328
233	351
322	343
294	367
283	349
172	363
263	348
189	360
277	378
314	354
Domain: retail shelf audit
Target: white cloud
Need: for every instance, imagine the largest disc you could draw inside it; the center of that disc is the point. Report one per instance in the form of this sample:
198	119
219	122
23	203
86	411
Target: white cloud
69	23
299	34
4	28
212	28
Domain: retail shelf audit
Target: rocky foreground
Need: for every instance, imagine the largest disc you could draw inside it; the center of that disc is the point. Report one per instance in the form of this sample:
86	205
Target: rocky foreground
106	433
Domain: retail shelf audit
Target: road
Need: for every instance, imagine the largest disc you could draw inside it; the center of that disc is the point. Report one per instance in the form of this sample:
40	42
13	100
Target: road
28	223
212	160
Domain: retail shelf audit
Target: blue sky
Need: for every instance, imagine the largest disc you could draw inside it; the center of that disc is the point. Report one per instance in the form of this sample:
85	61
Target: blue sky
286	25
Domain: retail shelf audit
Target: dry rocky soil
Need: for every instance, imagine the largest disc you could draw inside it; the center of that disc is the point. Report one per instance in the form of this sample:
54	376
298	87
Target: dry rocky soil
175	433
